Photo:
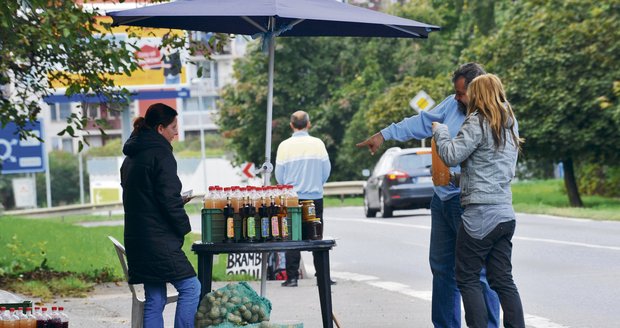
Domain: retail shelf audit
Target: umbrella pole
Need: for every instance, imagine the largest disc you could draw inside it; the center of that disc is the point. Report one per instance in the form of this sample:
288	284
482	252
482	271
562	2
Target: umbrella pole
268	167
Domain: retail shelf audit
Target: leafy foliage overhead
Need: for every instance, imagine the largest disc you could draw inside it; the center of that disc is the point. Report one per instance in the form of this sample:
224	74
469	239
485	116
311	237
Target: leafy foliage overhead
43	43
559	60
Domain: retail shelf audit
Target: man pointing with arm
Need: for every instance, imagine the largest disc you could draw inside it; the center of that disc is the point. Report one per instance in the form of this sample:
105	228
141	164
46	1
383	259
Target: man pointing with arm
446	208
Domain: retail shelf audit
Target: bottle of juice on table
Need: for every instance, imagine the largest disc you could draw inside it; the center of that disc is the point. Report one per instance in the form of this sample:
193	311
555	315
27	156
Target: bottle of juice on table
55	321
32	320
274	210
283	219
209	200
229	216
23	318
63	317
226	193
236	198
292	199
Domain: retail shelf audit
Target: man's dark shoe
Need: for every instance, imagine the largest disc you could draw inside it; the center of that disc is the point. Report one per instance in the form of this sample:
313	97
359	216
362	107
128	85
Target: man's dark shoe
290	283
332	282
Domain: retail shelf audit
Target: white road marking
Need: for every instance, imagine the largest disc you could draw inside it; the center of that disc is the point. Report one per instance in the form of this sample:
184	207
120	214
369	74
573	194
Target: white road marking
540	322
543	240
531	321
395	224
353	276
402	289
570	243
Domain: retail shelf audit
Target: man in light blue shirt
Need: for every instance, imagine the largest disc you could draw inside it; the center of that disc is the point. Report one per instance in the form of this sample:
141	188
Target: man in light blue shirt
446	210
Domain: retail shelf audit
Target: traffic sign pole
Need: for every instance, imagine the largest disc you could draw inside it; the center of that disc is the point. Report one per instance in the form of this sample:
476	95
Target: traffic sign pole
48	184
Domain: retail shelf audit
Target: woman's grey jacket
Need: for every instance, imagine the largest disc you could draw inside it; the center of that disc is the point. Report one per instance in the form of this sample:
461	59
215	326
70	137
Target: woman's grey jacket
486	171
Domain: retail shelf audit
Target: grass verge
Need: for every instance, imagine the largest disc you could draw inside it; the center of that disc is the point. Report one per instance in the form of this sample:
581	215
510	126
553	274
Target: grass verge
549	197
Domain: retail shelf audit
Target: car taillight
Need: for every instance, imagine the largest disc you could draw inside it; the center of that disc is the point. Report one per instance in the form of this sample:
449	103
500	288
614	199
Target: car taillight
397	175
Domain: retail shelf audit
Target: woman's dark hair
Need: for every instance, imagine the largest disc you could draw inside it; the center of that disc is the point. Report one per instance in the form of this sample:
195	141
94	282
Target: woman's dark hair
156	114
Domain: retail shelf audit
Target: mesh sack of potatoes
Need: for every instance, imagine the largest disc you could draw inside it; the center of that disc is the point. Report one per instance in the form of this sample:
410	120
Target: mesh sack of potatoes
235	304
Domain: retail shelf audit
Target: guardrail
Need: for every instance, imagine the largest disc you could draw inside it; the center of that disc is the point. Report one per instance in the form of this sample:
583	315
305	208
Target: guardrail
339	188
66	210
342	188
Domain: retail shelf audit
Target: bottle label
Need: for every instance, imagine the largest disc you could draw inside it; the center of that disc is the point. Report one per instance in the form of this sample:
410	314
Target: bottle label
230	228
284	227
275	230
264	227
251	223
311	211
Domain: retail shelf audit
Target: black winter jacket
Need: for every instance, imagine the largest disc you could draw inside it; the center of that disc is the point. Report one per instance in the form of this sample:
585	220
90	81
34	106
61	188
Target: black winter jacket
155	220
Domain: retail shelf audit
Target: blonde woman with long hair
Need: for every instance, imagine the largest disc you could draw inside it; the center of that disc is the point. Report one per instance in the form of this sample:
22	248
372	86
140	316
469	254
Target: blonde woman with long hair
486	147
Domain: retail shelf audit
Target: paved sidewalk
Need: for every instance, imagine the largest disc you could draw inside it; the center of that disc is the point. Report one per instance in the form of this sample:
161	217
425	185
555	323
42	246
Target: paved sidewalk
355	304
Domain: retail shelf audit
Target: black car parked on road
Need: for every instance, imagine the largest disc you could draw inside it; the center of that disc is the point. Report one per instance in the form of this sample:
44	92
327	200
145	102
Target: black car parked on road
400	180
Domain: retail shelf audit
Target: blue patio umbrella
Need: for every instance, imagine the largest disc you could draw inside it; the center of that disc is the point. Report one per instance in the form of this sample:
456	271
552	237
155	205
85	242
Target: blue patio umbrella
269	19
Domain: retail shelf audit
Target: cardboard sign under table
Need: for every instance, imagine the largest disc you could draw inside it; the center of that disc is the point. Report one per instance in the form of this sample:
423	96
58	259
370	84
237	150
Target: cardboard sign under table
319	248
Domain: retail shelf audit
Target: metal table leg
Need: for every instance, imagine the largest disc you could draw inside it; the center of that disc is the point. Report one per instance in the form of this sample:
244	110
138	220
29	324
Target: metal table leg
324	284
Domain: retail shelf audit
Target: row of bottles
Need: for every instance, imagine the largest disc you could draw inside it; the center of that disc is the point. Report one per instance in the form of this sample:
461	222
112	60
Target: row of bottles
267	222
217	197
40	318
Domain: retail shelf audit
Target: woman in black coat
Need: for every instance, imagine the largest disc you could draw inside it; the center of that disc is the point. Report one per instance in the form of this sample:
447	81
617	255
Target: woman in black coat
155	219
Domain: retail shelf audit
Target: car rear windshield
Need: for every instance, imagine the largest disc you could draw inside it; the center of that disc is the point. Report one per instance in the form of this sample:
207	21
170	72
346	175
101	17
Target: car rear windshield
412	162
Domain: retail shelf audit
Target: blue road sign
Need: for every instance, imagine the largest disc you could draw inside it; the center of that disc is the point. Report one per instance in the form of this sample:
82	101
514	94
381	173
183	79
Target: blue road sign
21	156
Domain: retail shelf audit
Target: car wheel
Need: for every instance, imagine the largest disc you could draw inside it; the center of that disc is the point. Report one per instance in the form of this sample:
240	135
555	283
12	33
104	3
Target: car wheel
386	210
370	213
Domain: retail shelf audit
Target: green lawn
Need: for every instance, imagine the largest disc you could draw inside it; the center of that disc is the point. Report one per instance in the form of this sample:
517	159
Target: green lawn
64	246
549	197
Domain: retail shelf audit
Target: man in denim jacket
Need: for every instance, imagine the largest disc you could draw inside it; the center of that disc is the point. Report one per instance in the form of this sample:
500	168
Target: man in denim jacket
446	209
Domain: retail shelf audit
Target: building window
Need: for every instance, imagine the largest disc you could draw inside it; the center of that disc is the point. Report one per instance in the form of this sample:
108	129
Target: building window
62	144
60	111
191	104
67	145
56	143
92	110
116	109
200	103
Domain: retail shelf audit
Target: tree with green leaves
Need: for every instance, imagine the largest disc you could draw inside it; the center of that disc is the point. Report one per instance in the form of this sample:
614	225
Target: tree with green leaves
49	43
558	59
305	73
45	43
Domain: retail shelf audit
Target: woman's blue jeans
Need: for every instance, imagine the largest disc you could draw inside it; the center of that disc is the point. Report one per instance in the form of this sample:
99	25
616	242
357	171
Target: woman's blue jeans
446	303
187	304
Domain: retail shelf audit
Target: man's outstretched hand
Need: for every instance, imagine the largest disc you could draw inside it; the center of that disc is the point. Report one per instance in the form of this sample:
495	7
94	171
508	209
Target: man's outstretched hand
373	143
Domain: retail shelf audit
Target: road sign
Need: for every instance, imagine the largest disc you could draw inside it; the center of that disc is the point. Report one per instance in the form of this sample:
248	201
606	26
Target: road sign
21	156
421	101
248	170
25	192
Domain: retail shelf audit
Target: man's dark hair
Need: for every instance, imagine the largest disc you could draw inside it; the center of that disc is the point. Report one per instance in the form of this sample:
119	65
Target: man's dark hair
469	71
300	122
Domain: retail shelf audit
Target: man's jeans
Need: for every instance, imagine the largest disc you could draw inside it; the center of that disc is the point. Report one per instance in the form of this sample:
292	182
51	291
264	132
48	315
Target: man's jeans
189	297
446	302
495	250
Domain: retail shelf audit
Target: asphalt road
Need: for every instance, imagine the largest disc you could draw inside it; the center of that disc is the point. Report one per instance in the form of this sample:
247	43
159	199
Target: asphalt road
567	270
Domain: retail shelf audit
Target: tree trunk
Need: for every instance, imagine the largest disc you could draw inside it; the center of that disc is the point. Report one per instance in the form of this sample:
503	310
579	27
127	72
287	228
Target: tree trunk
571	184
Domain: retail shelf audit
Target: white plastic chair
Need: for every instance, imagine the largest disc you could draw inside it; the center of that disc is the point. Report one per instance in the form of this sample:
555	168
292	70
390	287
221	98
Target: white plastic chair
137	303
